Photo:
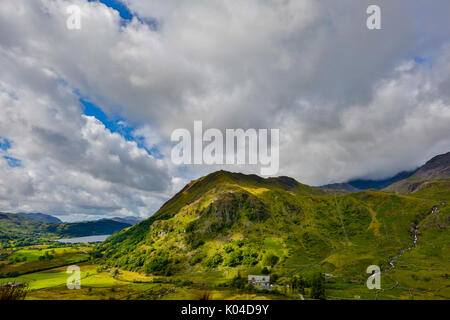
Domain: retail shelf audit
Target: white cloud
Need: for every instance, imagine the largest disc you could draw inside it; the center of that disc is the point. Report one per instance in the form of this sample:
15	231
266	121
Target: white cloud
349	102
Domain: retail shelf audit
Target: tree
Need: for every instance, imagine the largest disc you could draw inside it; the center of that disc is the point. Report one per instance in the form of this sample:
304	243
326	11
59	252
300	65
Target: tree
13	291
265	270
233	259
214	260
270	260
250	257
158	263
318	286
238	282
298	284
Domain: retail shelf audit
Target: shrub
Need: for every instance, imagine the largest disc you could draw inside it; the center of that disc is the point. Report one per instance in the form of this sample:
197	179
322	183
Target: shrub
265	270
228	248
214	260
205	295
157	264
270	260
250	257
233	259
274	277
238	282
13	291
196	258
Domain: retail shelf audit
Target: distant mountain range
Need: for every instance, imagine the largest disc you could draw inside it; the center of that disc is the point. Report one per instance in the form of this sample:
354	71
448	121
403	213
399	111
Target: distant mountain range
42	217
26	227
39	217
33	227
438	168
128	220
86	228
363	184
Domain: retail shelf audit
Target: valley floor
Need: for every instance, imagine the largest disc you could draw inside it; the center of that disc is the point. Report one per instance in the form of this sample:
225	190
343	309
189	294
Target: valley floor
404	281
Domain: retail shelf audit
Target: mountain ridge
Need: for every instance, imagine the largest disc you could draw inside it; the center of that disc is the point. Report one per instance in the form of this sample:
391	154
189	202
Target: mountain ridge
41	217
435	170
230	222
15	227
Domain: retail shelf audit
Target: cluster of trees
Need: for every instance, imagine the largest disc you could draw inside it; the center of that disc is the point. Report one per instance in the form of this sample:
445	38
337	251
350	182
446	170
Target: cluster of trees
318	286
236	254
11	259
297	283
11	274
17	259
158	264
4	256
48	255
316	282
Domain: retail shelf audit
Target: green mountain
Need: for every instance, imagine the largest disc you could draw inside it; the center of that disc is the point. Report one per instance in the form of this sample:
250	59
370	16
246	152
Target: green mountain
39	217
16	227
226	221
86	228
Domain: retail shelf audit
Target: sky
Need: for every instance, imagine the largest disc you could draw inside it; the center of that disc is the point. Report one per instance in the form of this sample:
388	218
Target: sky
86	115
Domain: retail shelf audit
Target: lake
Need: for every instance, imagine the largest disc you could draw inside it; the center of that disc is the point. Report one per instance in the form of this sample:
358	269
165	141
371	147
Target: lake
88	239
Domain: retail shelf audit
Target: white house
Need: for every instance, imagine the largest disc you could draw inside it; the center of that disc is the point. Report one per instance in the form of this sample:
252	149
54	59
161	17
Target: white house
260	281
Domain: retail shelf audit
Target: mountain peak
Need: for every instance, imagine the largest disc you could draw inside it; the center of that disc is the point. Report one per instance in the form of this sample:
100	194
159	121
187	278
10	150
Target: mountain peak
437	167
41	217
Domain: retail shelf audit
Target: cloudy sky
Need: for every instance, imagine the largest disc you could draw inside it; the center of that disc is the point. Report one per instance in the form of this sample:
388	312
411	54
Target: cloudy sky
86	115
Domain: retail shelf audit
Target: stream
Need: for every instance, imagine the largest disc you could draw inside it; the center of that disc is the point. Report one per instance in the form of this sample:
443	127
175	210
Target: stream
394	259
415	231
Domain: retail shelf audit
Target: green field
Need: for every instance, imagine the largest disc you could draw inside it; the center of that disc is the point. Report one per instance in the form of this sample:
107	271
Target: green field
36	258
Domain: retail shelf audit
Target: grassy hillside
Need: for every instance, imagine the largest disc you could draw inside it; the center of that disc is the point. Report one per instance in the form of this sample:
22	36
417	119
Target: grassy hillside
15	227
228	222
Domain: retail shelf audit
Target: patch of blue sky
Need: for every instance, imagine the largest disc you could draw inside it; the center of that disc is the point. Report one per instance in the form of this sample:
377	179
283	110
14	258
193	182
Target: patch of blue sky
13	162
428	60
117	5
4	144
118	125
419	60
126	14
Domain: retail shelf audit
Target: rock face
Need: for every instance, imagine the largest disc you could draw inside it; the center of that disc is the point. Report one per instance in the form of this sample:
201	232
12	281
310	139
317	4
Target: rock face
437	169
